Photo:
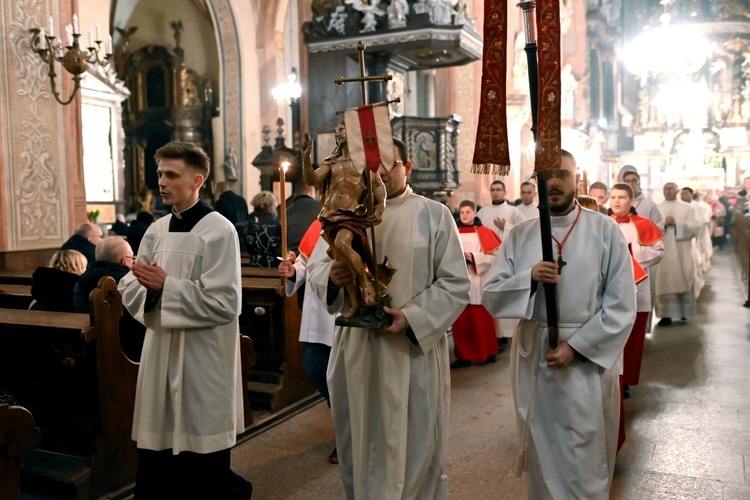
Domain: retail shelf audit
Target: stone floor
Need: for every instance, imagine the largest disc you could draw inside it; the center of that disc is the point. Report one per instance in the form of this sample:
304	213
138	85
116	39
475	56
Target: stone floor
688	422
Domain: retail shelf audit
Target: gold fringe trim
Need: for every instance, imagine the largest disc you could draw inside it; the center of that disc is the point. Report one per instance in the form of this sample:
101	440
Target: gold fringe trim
490	169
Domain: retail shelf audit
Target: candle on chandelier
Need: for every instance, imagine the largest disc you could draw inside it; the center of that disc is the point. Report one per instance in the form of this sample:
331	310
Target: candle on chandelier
42	39
91	37
98	33
75	23
51	27
108	45
69	34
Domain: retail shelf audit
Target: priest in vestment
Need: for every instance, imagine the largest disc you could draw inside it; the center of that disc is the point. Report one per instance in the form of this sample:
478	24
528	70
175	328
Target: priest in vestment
644	239
676	274
390	388
185	287
568	400
474	331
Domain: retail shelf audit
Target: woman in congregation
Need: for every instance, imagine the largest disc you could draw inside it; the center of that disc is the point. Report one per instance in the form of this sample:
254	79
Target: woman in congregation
52	286
263	231
474	331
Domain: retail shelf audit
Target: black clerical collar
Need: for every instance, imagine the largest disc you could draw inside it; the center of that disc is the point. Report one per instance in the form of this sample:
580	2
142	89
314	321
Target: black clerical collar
185	221
498	202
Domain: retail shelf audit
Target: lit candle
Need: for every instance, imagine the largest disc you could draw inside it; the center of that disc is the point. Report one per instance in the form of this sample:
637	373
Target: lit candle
75	23
108	45
42	39
51	27
282	195
91	43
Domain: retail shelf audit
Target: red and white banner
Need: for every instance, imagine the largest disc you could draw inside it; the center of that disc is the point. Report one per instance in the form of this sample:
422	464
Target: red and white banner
369	136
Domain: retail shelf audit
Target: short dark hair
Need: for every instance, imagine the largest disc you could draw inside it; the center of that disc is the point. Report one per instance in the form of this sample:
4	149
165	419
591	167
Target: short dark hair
528	183
598	185
689	190
192	155
402	152
624	187
498	181
467	203
631	172
567	154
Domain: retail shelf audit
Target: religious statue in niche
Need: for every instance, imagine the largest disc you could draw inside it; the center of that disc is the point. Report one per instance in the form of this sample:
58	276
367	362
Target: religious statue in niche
370	10
569	85
352	202
230	166
441	11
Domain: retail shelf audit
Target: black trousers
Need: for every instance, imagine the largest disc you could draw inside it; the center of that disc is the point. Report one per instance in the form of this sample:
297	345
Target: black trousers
161	474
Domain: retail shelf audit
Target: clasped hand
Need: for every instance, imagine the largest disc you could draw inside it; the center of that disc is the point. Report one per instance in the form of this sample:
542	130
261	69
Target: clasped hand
562	357
152	276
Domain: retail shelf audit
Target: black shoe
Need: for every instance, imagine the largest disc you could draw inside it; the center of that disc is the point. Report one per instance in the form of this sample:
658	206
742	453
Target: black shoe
625	392
460	363
502	343
684	319
491	359
665	322
333	457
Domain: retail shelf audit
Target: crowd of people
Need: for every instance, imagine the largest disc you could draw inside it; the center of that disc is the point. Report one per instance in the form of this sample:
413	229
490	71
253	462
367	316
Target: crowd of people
620	259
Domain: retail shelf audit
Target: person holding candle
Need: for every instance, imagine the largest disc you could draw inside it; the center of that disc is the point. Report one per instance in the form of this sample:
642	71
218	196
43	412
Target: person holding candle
263	231
185	286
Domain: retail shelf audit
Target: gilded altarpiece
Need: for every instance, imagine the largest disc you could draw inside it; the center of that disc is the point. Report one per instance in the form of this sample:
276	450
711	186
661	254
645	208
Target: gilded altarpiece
36	210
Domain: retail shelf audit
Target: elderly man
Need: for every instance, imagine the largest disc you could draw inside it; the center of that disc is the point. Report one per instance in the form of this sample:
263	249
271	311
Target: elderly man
114	258
85	239
675	275
567	400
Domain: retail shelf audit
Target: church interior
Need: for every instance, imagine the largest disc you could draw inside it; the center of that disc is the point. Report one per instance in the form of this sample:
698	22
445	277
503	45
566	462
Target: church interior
90	89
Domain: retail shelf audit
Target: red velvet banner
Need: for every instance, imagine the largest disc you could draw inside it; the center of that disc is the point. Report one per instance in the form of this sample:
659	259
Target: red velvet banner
369	137
548	138
491	149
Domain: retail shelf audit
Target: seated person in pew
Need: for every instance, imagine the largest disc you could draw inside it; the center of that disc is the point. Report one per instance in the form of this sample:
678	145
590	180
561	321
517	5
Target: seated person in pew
114	258
85	239
52	287
186	287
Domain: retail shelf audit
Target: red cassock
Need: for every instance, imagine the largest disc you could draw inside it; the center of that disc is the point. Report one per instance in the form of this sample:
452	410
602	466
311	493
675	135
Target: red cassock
474	331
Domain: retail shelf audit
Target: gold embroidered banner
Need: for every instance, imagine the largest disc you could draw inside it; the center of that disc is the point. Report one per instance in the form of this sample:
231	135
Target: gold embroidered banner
491	149
548	137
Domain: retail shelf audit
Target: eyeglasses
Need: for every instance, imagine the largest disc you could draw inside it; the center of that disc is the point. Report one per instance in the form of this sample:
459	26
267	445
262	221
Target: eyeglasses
131	257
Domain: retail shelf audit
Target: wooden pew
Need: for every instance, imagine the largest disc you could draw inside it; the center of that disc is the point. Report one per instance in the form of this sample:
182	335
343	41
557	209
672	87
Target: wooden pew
15	296
18	435
272	321
16	276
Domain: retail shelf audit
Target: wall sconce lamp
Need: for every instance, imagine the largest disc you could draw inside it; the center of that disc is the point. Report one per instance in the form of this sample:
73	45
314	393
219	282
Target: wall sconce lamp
74	59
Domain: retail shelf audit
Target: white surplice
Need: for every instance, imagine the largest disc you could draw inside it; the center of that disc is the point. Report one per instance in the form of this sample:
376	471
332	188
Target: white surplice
647	256
647	208
505	211
528	211
317	324
189	393
389	397
675	276
575	410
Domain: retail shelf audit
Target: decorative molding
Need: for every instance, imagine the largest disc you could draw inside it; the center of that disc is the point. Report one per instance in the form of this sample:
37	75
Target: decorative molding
231	83
35	146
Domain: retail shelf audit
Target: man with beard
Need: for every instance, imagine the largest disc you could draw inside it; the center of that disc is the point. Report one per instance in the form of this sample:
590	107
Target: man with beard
567	400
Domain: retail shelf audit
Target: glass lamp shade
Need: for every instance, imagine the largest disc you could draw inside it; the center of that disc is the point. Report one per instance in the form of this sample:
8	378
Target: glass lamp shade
667	50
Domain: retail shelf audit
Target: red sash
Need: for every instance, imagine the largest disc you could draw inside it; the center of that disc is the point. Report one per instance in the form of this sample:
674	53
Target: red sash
648	234
310	239
488	240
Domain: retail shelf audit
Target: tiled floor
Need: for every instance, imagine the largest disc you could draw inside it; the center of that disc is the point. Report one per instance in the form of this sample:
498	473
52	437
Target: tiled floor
688	422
